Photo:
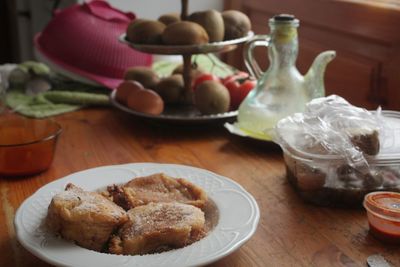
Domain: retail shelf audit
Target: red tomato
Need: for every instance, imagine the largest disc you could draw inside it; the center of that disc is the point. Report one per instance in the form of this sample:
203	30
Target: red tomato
239	85
239	74
204	77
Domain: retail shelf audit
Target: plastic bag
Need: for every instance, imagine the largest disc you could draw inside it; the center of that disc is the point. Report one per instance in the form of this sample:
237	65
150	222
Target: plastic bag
332	126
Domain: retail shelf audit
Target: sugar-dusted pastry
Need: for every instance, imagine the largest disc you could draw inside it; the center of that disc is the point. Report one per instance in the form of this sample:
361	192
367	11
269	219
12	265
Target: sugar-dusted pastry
157	188
86	218
156	227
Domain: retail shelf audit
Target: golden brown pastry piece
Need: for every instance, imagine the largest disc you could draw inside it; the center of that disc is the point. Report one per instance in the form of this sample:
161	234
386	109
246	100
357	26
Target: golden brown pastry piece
157	188
156	227
87	218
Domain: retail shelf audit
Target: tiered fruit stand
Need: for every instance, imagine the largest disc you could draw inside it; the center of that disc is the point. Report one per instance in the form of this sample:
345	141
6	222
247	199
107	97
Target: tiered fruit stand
185	113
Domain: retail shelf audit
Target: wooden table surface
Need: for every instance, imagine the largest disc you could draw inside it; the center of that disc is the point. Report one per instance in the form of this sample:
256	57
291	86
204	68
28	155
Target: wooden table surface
290	232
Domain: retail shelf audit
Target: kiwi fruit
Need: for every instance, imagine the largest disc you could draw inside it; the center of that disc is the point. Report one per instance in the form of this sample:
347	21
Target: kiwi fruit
194	71
136	21
144	75
169	18
145	31
212	21
237	24
211	97
171	89
184	33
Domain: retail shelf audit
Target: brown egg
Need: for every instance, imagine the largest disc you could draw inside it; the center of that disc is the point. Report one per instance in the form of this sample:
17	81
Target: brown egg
146	101
125	89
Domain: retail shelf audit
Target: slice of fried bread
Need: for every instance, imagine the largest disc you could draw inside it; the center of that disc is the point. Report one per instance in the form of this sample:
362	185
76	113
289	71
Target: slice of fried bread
157	188
87	218
158	226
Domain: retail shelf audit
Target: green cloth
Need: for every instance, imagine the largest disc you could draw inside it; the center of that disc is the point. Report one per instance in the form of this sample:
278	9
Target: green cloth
66	95
209	63
52	103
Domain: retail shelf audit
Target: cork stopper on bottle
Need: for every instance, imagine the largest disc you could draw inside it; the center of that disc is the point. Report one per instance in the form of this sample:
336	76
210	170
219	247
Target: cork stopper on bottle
284	17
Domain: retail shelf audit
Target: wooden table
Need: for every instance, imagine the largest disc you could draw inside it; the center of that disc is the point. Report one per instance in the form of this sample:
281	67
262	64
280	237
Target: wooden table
290	232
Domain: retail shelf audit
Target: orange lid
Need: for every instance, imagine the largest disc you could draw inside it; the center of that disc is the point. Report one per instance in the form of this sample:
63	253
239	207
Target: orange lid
383	203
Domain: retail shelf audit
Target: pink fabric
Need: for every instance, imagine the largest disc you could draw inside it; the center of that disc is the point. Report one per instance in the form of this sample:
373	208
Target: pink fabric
83	39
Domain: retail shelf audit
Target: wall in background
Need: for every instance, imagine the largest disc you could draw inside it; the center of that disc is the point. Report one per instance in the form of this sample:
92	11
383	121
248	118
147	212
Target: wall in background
365	36
32	16
154	8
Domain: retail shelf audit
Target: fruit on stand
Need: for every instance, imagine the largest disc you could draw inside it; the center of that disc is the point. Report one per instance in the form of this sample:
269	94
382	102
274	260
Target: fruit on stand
239	85
237	24
144	75
171	89
145	31
195	70
126	88
211	97
146	101
133	95
235	76
217	95
212	21
169	18
184	33
134	22
219	26
204	77
188	35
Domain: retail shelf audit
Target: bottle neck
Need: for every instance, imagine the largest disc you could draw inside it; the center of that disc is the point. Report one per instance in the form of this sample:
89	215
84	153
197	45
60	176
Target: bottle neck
283	47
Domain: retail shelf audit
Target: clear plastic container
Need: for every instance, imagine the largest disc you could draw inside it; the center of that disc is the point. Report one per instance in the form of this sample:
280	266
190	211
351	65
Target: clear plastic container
333	180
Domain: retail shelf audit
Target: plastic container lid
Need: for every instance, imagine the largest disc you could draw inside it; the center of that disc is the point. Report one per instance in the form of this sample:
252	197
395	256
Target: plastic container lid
83	39
384	204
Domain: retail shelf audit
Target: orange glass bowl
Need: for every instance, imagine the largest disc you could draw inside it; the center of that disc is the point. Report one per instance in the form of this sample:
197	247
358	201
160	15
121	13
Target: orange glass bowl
26	145
383	211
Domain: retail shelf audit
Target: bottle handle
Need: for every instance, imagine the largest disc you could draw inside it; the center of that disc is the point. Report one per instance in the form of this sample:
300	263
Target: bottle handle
248	54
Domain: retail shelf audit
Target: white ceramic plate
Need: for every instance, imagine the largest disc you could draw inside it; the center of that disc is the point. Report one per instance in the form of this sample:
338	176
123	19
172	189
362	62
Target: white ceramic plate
239	216
233	128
